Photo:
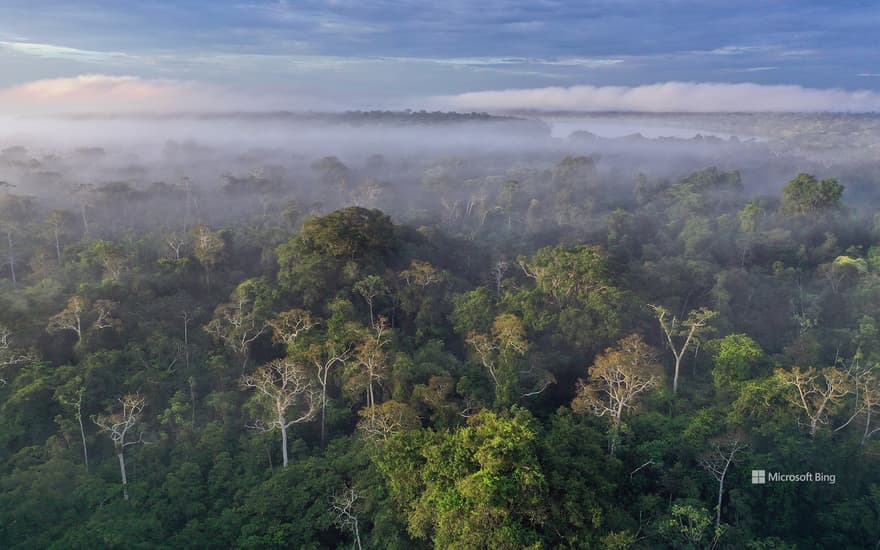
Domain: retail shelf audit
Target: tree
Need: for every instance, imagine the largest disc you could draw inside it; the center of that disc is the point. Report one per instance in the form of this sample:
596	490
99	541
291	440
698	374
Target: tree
371	287
573	301
498	353
70	318
323	358
81	315
9	356
567	275
333	252
289	325
85	195
388	419
688	526
209	248
282	385
805	195
480	486
111	257
71	398
15	211
333	173
718	462
237	323
58	221
618	379
343	507
118	425
686	332
816	392
370	367
738	359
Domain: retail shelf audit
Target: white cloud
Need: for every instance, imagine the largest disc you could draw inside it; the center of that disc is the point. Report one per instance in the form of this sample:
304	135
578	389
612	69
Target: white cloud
101	94
669	97
51	51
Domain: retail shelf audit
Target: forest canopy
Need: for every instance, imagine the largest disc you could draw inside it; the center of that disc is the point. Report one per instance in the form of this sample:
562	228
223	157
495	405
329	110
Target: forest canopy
505	349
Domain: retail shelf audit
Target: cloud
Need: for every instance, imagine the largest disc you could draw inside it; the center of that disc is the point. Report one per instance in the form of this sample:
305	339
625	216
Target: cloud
669	97
103	94
51	51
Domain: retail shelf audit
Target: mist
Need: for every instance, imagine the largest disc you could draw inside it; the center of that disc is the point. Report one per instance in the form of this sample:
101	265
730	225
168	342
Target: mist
416	158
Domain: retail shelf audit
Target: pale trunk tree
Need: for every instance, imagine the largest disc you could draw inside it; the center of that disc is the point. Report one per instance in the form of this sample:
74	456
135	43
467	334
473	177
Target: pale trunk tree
236	325
10	357
76	405
870	387
618	379
384	421
342	505
283	385
816	392
175	244
323	359
118	425
499	350
288	326
370	288
372	363
718	463
487	352
497	272
70	318
56	221
687	332
186	319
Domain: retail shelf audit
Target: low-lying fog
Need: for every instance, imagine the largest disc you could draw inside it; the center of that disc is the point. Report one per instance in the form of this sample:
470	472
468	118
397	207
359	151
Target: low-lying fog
412	157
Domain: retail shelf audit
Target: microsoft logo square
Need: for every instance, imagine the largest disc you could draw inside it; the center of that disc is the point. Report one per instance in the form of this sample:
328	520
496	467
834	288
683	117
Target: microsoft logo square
759	477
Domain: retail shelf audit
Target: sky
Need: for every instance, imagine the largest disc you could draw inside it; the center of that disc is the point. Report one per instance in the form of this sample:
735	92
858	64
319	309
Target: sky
517	54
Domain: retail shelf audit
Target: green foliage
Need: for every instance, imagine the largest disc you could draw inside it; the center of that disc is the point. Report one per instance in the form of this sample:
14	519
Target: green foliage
738	359
805	195
475	487
472	360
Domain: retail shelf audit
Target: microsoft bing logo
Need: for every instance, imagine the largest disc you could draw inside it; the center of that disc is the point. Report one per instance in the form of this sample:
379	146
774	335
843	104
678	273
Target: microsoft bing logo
759	477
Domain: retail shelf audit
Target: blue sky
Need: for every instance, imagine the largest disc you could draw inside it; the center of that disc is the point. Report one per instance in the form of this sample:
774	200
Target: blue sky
387	50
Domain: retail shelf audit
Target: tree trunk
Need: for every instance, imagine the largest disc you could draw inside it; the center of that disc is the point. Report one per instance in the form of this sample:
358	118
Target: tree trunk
675	377
720	494
192	398
283	439
357	534
121	458
82	433
11	258
867	431
323	407
57	246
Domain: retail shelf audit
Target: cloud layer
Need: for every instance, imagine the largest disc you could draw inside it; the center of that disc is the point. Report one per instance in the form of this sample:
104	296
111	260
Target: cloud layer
669	97
103	94
131	94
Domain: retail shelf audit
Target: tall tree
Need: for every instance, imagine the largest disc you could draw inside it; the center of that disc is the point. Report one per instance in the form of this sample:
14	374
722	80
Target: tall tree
370	366
343	506
284	388
718	462
499	352
816	392
209	248
240	321
118	426
806	195
682	335
618	379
